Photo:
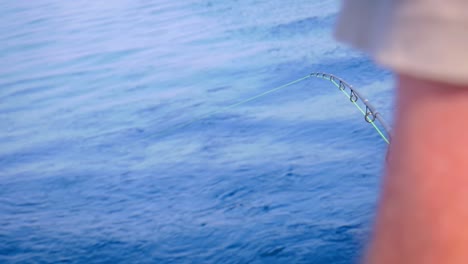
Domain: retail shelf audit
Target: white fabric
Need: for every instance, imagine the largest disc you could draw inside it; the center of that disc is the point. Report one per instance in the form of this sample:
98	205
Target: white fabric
423	38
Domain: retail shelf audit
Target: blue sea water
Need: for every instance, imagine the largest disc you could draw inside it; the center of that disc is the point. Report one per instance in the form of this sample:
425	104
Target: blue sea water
94	167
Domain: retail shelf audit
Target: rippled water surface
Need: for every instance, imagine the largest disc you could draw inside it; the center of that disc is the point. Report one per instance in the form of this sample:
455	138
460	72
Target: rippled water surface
94	167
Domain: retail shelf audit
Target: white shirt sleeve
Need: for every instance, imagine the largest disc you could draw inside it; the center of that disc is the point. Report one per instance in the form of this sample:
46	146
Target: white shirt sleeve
423	38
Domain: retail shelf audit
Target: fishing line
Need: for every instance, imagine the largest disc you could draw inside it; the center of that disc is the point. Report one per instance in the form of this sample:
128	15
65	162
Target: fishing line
223	109
370	114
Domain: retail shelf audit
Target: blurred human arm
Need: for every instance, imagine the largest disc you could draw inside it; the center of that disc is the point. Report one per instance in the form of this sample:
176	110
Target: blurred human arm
423	212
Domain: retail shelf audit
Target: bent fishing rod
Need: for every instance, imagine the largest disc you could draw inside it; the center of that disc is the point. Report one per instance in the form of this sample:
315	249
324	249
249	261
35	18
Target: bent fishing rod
371	115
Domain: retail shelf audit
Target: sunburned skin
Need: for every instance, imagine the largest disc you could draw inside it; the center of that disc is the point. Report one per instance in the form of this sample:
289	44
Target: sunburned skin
423	212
